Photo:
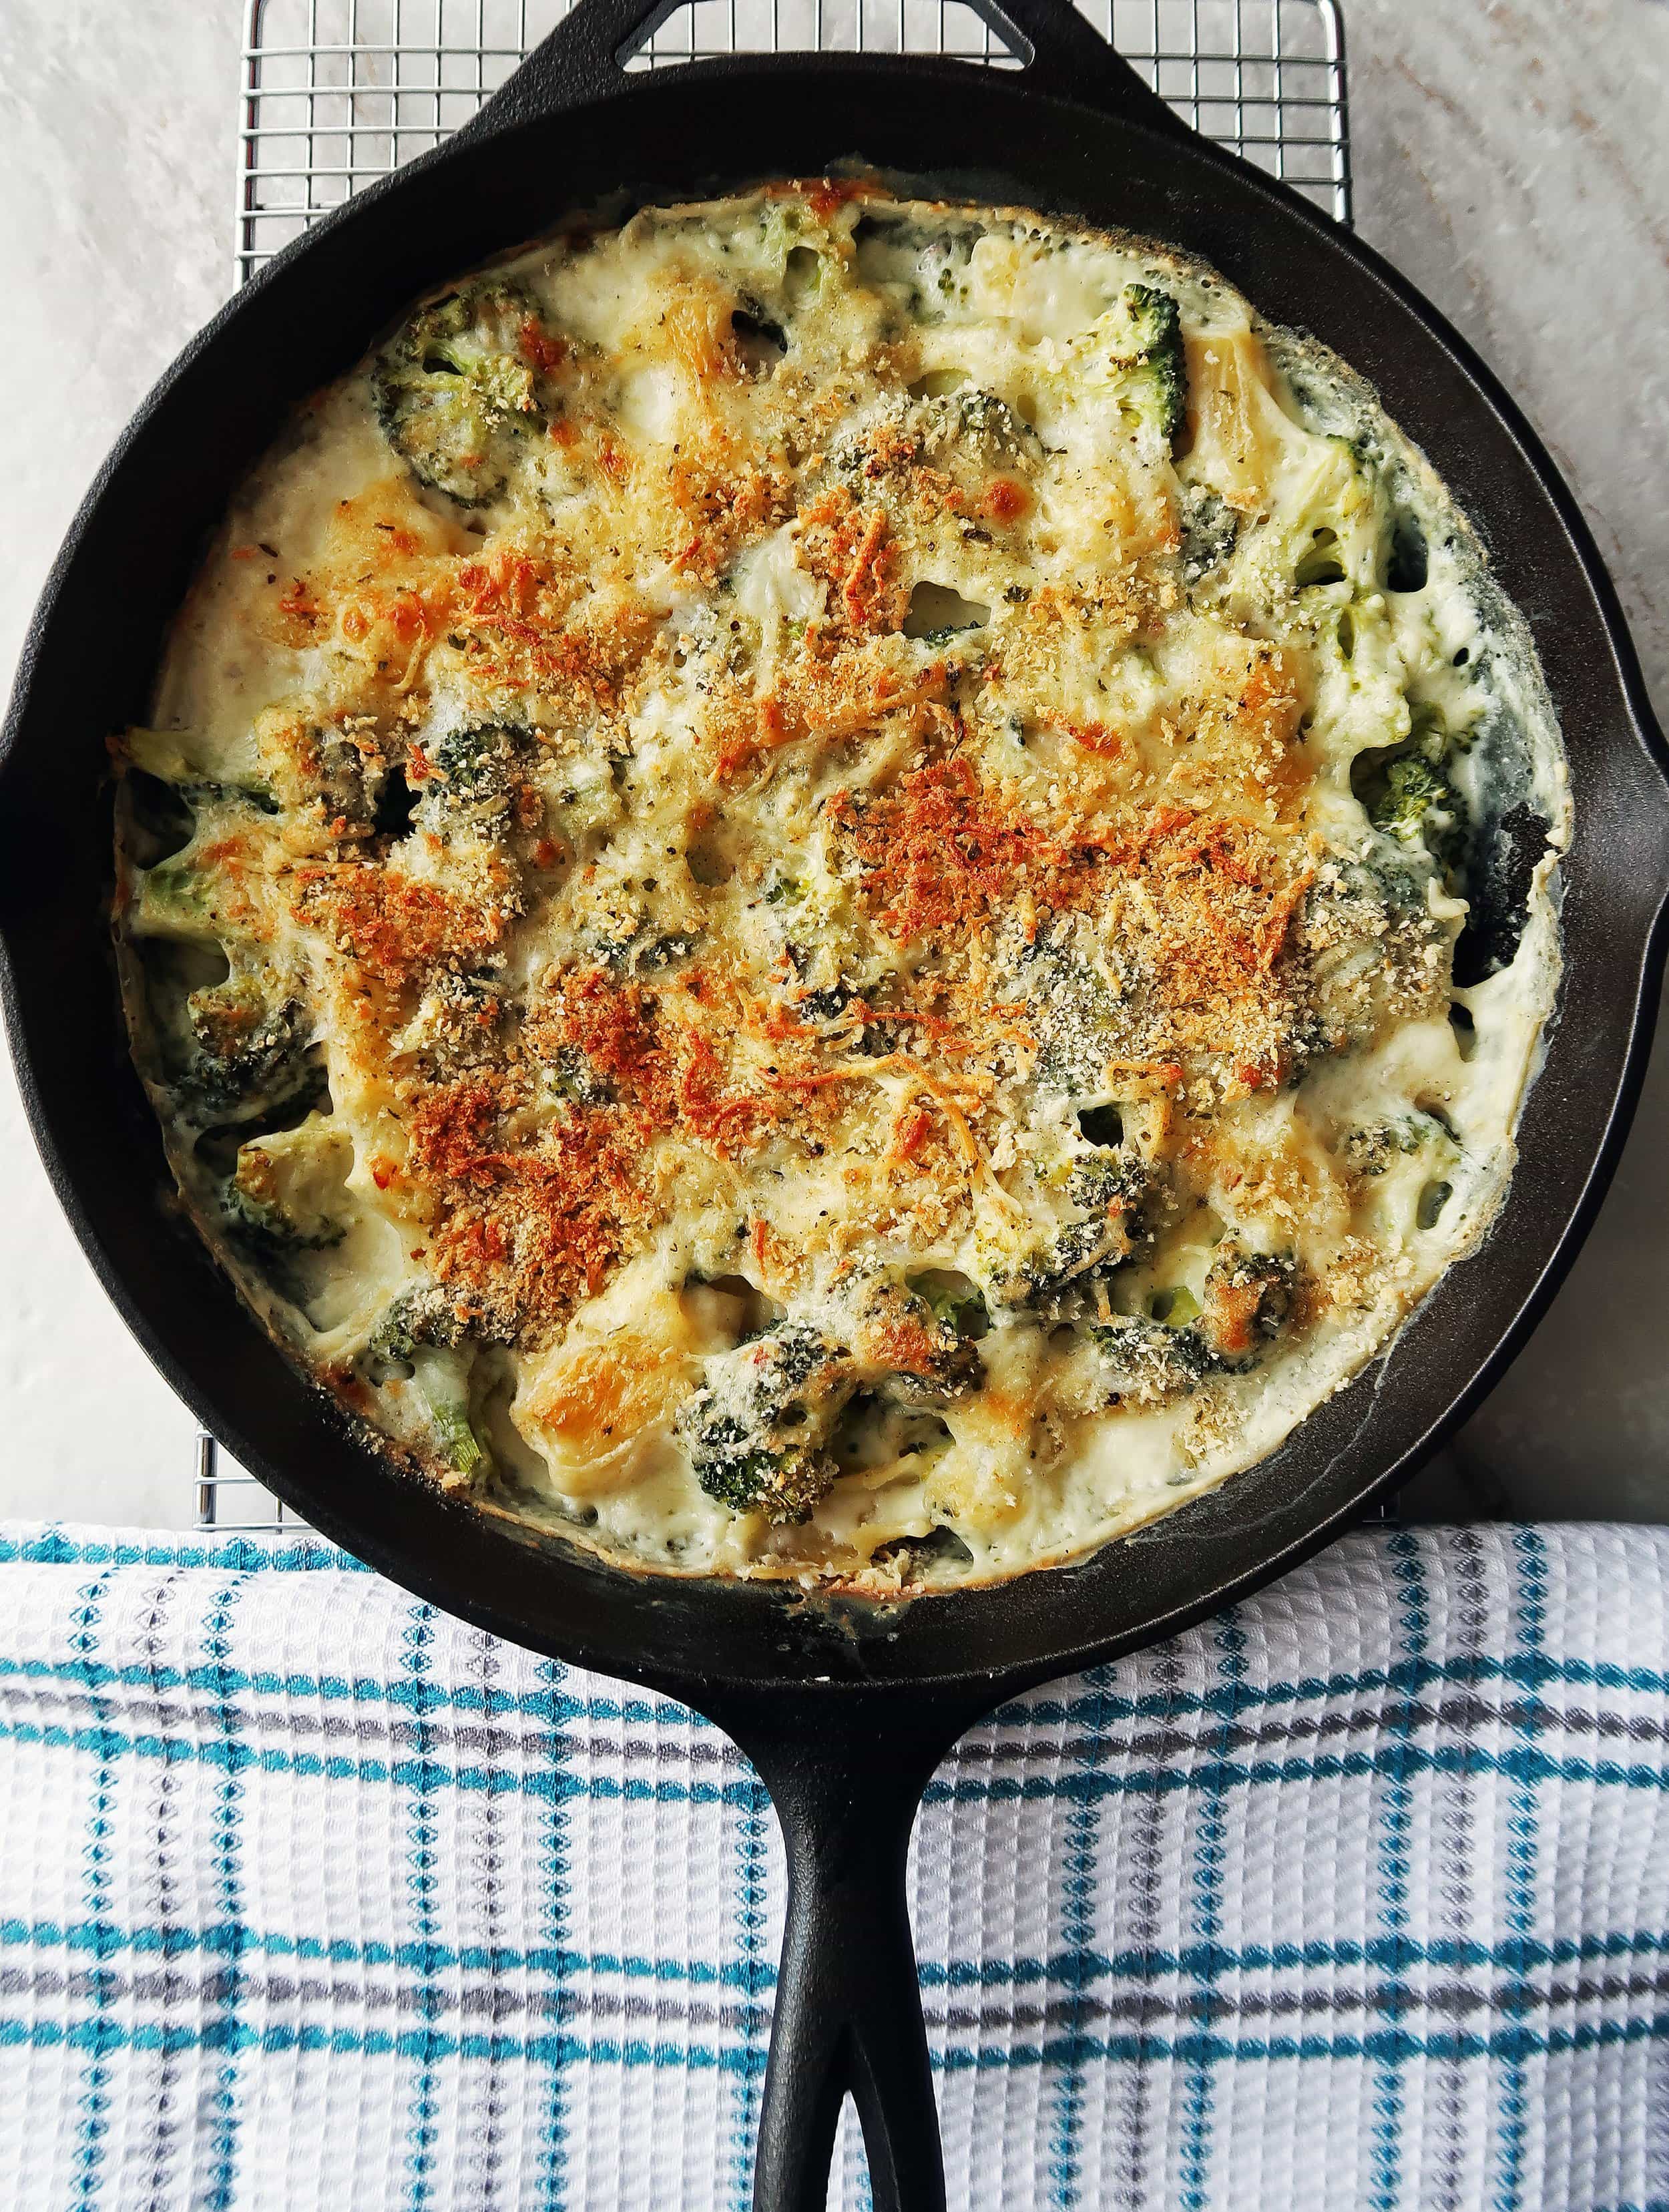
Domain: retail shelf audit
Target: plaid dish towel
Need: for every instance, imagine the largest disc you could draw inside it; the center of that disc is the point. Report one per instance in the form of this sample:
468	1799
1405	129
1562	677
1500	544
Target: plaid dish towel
310	1896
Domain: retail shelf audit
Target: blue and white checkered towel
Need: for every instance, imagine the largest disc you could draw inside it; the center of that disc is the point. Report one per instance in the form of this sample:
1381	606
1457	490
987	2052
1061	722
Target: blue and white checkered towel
312	1897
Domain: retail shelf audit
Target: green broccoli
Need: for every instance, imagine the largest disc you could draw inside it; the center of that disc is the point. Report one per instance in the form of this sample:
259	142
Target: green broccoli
1063	1257
479	762
249	1052
653	953
429	1336
784	1486
454	389
1210	530
341	780
954	1303
442	1379
757	1431
1416	804
1146	1360
981	421
426	1316
170	757
1075	1008
574	1078
1373	1148
178	899
1146	332
915	1340
1249	1299
288	1188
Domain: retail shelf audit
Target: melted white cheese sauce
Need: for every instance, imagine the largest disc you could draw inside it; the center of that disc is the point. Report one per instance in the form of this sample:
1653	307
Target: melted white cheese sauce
795	533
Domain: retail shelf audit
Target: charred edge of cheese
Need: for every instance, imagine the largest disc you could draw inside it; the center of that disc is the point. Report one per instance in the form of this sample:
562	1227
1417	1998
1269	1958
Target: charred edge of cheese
842	889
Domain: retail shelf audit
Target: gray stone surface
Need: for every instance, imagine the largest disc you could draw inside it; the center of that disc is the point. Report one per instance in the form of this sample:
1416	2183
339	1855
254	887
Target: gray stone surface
1511	158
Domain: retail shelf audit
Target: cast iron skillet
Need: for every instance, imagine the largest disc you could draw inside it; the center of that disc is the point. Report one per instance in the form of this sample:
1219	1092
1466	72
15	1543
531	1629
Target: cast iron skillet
844	1709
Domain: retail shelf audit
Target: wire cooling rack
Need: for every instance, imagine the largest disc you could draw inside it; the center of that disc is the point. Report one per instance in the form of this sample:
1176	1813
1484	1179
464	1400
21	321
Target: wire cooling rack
338	92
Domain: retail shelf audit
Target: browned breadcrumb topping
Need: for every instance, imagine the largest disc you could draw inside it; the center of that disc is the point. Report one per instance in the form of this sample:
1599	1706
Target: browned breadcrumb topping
537	1220
1203	903
812	820
396	928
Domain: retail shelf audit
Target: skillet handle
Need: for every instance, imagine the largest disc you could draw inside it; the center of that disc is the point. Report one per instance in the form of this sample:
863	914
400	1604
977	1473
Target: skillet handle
1064	56
846	1778
581	61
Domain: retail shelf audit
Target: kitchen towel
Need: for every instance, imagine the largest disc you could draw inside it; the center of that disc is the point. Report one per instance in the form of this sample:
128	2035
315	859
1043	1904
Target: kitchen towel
312	1896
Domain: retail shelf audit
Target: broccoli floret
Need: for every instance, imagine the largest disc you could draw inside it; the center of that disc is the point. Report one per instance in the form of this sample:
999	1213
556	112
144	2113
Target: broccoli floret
591	802
823	1005
633	947
288	1188
784	1486
576	1080
1249	1298
249	1053
426	1315
1380	947
178	899
1107	1193
479	762
757	1431
455	390
1371	1150
169	755
915	1340
1407	793
1146	344
988	425
457	1021
915	1556
1419	805
442	1380
333	774
470	780
1209	529
429	1336
954	1301
1101	1186
1145	1361
654	953
950	426
1074	1009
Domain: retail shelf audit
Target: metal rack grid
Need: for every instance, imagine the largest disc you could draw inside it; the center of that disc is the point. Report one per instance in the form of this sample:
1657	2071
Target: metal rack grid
338	92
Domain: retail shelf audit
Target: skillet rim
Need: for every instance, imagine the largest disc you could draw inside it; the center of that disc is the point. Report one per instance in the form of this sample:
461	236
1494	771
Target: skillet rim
1033	1592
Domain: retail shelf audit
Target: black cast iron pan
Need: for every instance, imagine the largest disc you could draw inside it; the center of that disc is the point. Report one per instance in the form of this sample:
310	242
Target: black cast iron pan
845	1712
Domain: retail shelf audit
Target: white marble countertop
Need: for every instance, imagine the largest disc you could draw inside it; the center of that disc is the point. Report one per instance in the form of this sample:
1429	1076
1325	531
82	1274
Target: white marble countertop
1510	155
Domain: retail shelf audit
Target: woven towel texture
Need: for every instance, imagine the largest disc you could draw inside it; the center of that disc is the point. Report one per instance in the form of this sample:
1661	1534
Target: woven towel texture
310	1896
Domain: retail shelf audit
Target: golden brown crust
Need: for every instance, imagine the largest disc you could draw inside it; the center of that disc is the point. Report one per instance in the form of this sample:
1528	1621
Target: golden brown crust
830	847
